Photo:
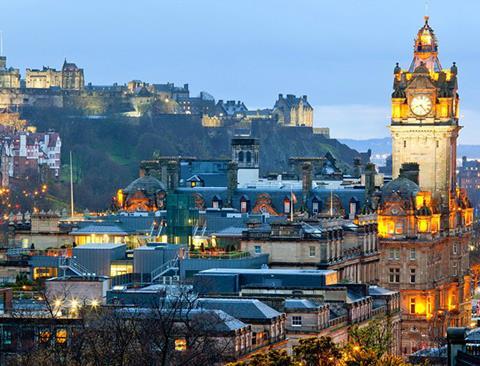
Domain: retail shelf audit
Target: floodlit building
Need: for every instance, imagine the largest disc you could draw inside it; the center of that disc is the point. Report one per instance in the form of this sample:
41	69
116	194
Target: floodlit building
424	219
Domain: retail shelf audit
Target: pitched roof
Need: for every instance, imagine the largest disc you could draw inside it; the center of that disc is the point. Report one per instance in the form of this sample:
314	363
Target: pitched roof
240	308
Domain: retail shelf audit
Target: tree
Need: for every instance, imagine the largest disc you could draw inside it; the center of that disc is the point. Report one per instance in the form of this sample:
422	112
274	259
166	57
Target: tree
376	336
317	352
271	358
171	331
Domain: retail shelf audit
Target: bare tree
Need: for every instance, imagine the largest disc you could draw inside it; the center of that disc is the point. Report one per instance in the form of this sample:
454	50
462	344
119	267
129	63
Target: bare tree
171	331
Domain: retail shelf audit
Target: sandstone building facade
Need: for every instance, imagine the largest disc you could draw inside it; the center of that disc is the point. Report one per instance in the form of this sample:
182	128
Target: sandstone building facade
424	219
69	78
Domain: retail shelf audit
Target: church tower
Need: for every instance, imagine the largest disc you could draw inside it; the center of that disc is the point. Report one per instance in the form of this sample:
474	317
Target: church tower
424	124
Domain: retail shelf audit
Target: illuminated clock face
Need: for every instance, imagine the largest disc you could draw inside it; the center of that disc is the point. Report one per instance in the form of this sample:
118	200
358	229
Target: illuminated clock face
421	105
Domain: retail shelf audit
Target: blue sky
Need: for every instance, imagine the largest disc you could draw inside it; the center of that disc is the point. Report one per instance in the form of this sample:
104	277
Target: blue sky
340	53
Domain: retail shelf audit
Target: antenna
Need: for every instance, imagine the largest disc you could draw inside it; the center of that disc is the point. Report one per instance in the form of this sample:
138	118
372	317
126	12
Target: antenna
72	207
426	8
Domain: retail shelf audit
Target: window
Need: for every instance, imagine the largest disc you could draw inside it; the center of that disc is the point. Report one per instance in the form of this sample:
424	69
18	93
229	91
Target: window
312	251
286	205
180	344
44	336
215	204
296	321
315	207
243	206
404	143
412	305
394	275
394	253
7	337
455	248
413	254
254	338
412	275
61	335
398	228
258	249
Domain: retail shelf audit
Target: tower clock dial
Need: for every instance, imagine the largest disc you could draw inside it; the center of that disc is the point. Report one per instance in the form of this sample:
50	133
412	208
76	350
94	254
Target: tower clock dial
421	105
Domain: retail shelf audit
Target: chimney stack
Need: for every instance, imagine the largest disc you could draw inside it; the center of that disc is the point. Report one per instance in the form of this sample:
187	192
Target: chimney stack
172	175
232	181
370	173
306	179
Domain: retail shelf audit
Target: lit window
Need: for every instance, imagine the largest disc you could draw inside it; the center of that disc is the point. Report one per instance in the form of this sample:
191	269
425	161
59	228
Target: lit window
286	205
61	335
412	275
180	344
312	251
399	228
215	204
296	321
258	249
44	336
413	254
315	207
412	305
394	275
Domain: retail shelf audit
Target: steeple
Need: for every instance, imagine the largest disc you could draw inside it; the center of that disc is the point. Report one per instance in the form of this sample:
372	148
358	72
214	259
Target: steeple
426	49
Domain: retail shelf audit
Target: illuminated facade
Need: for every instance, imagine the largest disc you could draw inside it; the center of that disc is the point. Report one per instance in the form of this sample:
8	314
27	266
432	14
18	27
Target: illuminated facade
424	220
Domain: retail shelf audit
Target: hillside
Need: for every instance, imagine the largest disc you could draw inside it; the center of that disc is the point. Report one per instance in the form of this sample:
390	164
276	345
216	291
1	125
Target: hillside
382	146
107	151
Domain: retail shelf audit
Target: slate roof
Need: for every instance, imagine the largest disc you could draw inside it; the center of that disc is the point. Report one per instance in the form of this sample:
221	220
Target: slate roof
99	229
242	309
306	304
116	225
277	195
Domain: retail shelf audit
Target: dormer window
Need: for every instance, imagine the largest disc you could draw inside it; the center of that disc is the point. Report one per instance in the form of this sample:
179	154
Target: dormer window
244	204
216	202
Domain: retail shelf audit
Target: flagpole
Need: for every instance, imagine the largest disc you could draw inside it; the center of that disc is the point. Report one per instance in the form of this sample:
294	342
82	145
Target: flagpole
291	203
331	202
72	208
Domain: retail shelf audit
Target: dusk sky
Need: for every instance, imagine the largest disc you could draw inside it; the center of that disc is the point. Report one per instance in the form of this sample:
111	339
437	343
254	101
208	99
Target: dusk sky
340	53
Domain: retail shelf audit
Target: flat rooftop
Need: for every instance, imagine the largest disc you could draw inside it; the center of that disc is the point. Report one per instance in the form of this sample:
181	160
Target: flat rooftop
323	272
99	246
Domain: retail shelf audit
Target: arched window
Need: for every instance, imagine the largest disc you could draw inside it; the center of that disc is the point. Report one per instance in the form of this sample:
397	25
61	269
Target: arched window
240	156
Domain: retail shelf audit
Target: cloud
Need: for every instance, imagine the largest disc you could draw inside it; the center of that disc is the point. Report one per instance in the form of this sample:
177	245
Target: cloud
355	121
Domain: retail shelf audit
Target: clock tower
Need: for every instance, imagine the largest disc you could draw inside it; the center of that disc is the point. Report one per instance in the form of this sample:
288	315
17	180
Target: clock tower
424	124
